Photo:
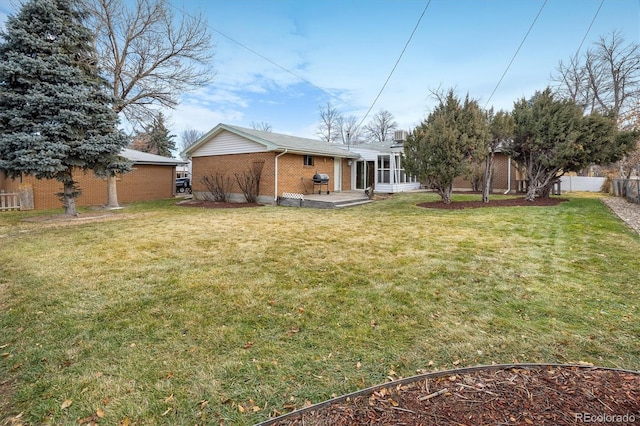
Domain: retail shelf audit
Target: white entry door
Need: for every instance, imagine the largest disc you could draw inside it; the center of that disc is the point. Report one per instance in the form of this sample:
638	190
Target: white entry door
337	174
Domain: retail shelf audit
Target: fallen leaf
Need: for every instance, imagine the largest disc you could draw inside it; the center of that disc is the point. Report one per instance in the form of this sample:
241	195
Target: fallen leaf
358	365
241	408
100	412
248	345
20	329
169	374
125	422
66	404
393	402
255	408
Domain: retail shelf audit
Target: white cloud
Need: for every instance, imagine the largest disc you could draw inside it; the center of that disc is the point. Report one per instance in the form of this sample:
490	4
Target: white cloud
192	116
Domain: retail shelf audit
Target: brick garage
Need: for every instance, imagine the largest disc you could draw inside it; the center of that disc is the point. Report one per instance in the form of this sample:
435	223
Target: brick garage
152	178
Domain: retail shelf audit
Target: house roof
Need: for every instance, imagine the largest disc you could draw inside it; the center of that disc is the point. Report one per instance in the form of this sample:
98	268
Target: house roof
277	142
139	157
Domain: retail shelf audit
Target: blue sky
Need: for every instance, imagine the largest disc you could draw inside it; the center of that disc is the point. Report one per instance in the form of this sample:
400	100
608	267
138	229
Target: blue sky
344	51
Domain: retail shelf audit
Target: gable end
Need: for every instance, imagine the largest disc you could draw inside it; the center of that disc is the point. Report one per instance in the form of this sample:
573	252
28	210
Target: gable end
225	143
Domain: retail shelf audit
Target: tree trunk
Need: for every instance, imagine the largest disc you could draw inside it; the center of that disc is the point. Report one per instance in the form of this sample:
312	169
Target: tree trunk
488	171
531	192
69	194
445	194
112	192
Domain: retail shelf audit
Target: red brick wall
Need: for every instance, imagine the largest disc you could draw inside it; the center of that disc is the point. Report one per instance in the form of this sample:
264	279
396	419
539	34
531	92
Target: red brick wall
144	183
500	175
346	173
293	175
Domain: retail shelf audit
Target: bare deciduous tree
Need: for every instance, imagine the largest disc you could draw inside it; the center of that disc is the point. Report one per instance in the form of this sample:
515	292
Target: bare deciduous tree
188	137
349	130
329	123
149	57
605	79
263	126
381	126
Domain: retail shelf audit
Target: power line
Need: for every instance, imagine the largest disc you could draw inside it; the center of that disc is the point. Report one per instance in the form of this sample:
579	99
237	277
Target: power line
397	62
515	54
589	29
261	56
560	83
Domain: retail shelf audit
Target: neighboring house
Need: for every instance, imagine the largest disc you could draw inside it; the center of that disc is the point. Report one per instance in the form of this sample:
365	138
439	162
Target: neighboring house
288	163
152	178
505	178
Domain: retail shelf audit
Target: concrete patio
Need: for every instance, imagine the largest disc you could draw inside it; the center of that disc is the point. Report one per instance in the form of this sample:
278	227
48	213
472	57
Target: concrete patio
333	200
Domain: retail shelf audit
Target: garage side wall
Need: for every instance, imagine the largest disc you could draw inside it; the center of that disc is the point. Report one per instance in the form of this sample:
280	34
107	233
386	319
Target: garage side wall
144	183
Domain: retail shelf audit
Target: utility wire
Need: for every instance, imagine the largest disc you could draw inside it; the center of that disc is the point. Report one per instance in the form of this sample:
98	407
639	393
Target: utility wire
261	56
560	83
515	54
397	62
589	29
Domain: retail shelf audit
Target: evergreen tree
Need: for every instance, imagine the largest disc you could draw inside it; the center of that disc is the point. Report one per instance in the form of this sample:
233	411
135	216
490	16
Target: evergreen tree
156	139
553	137
55	115
439	149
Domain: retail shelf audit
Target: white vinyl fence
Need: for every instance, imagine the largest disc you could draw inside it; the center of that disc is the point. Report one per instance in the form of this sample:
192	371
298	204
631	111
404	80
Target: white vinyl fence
581	183
9	201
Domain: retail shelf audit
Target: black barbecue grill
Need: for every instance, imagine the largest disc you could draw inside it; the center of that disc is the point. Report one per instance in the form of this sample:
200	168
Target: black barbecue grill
320	179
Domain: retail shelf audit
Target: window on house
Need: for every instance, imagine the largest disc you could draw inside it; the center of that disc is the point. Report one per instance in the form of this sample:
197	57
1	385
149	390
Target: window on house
384	169
308	160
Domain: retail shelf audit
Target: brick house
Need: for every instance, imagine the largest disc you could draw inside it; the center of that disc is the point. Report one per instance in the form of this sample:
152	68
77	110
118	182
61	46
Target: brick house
288	163
152	178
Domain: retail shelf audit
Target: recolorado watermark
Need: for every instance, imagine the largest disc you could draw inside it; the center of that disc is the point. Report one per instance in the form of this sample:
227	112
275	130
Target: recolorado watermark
605	418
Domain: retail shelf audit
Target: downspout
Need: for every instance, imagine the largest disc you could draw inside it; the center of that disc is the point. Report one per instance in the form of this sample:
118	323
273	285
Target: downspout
508	177
275	182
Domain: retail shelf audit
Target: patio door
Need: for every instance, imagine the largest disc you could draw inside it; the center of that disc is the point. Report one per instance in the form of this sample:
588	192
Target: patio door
364	174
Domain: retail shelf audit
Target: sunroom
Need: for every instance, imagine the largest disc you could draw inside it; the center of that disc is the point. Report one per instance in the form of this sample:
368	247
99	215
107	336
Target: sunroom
380	166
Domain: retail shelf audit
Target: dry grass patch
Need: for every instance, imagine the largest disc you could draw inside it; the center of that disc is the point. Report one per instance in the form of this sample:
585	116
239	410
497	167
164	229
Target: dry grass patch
182	316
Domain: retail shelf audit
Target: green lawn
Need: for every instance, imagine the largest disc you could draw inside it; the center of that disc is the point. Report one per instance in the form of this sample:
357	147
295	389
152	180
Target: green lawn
174	315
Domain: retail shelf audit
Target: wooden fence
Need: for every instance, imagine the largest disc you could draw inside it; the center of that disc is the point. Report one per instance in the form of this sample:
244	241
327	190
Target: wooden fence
628	188
9	201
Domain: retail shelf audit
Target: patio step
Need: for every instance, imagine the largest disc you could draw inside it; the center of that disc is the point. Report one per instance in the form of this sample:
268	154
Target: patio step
352	203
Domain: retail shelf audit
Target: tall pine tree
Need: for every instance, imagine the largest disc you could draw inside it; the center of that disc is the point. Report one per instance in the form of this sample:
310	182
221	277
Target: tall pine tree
55	115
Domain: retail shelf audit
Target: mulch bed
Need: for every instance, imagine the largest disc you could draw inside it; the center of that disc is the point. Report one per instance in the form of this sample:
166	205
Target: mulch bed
493	395
509	202
215	204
